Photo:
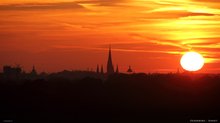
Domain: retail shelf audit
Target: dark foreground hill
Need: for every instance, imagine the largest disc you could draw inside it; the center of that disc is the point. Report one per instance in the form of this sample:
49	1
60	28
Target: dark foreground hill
121	98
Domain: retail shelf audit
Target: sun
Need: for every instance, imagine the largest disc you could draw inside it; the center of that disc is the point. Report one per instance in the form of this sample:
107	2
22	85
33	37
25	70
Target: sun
192	61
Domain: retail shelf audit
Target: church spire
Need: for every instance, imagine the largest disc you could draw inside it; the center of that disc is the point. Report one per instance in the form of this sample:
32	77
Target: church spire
129	70
110	68
34	72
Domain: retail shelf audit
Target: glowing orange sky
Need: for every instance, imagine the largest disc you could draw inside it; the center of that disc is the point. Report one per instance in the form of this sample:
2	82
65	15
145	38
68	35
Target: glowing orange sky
149	35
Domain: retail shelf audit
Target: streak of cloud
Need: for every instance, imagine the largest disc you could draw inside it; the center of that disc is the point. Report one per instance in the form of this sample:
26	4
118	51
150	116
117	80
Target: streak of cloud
41	6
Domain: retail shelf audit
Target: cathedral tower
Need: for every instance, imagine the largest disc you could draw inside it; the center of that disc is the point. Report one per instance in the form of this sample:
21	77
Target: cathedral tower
110	68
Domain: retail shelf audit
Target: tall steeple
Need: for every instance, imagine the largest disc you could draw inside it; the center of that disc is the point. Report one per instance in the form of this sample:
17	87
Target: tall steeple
110	68
34	72
129	70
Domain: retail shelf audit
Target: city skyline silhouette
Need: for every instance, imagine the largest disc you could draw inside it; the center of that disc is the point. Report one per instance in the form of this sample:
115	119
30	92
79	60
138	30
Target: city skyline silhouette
108	70
109	61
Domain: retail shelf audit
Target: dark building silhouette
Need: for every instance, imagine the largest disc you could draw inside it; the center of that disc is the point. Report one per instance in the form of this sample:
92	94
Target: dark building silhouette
110	68
9	70
34	72
129	70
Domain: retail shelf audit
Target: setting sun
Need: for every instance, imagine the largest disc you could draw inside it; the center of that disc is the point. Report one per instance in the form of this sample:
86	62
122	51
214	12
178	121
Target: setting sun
192	61
143	33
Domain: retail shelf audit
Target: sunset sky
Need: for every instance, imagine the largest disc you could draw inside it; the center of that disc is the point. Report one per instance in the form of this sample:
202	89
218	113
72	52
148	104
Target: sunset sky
149	35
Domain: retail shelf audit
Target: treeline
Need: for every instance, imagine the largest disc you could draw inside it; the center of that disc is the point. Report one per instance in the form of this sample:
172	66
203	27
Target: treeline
120	98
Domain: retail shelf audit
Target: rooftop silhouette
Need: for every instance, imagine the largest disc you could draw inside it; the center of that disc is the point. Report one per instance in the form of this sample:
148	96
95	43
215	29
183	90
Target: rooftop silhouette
96	96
